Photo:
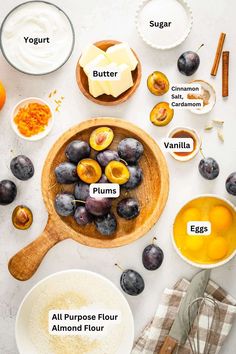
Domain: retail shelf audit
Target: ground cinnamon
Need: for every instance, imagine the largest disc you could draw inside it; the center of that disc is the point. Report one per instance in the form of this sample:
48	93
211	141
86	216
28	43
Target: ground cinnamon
218	54
225	74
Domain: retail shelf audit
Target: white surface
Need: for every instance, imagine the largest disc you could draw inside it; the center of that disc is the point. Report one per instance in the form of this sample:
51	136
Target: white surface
95	20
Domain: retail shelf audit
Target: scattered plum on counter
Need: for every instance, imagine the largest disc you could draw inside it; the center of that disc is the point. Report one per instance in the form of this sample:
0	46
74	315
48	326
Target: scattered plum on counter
209	168
161	114
98	206
152	256
106	224
132	282
136	177
22	217
65	204
230	184
66	173
188	63
81	191
106	156
82	216
157	83
22	167
128	208
130	150
77	150
8	192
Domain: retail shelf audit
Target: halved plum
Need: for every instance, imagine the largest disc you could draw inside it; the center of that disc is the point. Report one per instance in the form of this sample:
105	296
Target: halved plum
89	171
101	138
161	114
157	83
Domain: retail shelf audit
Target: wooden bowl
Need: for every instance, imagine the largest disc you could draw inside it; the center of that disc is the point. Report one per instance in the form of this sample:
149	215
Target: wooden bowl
152	195
108	100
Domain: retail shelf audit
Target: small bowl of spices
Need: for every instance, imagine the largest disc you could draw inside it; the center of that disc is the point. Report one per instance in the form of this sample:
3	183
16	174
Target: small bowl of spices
188	151
207	95
32	119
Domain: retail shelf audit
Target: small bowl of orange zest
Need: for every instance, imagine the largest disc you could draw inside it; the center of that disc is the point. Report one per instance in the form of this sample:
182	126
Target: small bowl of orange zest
32	119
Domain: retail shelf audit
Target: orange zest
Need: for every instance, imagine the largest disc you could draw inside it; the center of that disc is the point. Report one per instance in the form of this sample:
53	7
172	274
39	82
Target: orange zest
32	119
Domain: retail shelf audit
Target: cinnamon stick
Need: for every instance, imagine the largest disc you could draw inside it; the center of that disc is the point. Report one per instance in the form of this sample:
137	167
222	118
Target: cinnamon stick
225	74
218	54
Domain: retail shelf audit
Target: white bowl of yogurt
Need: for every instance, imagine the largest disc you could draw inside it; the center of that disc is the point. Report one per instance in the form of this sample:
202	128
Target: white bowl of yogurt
37	37
74	290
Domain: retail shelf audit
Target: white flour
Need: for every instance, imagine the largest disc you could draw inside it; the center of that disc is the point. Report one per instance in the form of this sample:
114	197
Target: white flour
75	293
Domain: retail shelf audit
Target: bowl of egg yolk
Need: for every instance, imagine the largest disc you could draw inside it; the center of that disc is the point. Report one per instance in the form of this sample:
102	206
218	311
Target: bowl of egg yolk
208	251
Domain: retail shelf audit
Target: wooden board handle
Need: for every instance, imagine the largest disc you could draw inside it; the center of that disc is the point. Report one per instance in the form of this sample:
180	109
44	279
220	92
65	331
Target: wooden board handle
24	264
168	346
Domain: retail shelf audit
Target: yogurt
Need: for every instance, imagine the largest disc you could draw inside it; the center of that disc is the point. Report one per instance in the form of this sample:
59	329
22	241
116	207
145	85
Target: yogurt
37	38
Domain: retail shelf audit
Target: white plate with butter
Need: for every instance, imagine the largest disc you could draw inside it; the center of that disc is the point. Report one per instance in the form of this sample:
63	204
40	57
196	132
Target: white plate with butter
73	290
164	24
37	37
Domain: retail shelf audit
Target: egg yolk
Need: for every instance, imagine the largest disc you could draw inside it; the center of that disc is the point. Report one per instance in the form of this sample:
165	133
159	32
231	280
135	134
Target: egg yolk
194	243
221	218
217	248
191	214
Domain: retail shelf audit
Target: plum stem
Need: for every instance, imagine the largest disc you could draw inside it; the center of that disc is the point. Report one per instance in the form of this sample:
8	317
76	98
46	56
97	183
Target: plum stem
79	201
202	45
124	162
154	239
117	265
201	152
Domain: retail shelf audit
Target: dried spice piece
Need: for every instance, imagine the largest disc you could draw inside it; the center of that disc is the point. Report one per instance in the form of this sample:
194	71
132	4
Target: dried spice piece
218	54
209	126
221	134
57	101
32	119
216	121
225	74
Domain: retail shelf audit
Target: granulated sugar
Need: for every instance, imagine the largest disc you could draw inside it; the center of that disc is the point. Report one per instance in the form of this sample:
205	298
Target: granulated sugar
171	22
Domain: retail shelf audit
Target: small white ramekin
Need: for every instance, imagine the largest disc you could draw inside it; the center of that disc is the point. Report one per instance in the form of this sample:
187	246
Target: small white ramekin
203	265
24	103
198	141
175	44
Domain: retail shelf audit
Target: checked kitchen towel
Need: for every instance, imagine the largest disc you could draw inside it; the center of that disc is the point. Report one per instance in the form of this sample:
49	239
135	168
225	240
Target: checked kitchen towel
153	335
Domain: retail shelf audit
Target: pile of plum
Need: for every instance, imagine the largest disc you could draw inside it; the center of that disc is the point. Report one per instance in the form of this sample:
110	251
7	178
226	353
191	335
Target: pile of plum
108	166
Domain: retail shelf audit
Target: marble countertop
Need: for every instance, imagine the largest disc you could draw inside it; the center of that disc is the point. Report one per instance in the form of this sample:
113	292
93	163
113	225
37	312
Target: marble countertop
95	20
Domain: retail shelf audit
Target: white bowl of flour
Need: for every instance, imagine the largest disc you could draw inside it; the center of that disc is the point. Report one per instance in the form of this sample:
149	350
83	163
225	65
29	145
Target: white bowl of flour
75	293
164	24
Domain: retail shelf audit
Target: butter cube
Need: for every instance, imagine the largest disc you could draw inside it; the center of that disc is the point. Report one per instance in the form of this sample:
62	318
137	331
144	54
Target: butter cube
117	87
122	54
99	61
95	88
90	53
